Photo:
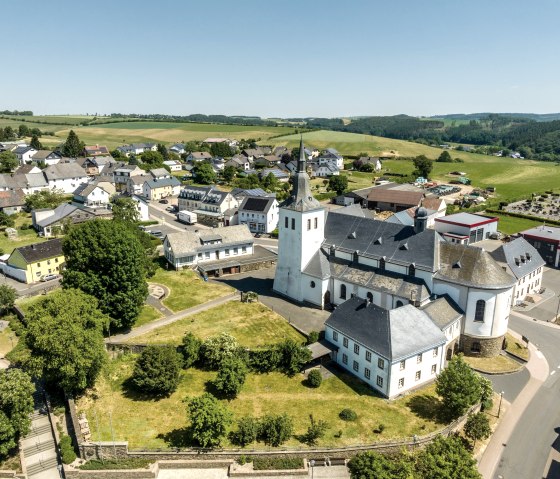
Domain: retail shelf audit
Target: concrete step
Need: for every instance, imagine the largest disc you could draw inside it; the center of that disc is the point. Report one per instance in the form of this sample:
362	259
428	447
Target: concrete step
32	449
37	430
41	466
37	414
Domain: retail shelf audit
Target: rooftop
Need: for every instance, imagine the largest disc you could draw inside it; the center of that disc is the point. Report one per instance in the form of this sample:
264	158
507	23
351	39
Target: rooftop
545	232
466	219
40	251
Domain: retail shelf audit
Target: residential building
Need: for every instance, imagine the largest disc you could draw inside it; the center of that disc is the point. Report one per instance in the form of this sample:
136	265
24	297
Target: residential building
29	264
393	351
96	150
177	148
239	162
546	240
521	259
280	175
124	173
327	257
371	160
46	157
136	148
12	201
199	156
331	156
48	222
65	176
268	161
141	207
173	165
95	165
207	202
395	197
324	170
436	208
94	195
259	213
27	182
158	188
466	228
188	248
24	154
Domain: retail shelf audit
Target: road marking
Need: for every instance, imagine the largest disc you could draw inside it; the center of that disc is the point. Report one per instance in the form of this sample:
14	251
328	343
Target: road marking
553	372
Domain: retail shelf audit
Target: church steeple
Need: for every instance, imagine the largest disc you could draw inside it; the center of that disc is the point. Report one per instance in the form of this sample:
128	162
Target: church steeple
301	198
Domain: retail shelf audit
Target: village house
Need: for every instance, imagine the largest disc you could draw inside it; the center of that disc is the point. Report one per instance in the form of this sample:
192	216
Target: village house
546	240
331	156
94	195
177	148
32	263
28	183
12	201
65	176
520	259
371	160
259	213
96	150
395	197
188	248
141	207
46	157
136	148
173	165
198	156
95	165
24	154
124	173
436	208
281	176
239	162
160	187
207	202
50	222
324	170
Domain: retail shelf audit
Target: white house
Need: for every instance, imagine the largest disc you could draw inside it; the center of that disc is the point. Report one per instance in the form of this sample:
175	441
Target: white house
47	157
466	228
376	345
24	154
324	170
173	165
327	258
259	213
158	188
331	156
198	156
94	195
122	174
207	202
141	207
65	176
189	248
177	148
524	263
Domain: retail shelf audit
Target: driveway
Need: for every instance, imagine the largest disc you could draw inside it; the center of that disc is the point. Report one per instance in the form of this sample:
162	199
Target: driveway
261	281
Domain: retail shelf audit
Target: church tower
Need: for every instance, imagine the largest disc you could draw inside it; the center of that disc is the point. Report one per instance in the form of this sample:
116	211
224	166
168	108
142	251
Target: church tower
301	231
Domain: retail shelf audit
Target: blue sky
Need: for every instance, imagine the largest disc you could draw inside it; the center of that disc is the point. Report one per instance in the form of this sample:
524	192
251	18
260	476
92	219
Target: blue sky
280	58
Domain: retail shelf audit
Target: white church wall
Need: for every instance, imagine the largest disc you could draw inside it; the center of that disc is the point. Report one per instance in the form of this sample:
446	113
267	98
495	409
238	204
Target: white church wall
496	312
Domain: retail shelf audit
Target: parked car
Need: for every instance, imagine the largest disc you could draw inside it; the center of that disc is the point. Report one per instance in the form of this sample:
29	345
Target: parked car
156	233
170	208
164	201
48	277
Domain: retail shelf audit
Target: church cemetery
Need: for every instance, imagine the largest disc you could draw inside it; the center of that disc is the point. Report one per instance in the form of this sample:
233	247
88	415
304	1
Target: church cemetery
149	424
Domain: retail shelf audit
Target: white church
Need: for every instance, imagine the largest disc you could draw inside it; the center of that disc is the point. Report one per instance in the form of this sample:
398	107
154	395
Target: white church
328	258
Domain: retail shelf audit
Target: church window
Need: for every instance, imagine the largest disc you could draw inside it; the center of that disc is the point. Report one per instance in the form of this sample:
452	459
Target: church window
342	291
293	223
411	270
399	304
419	358
316	223
479	310
434	368
308	224
286	219
312	284
382	264
475	347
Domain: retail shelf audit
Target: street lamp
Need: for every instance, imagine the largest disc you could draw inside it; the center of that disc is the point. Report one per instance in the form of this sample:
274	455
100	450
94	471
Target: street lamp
557	308
312	464
500	406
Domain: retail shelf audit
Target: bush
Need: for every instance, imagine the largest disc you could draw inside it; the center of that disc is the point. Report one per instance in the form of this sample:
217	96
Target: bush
273	463
348	415
217	348
247	431
314	378
276	430
25	226
264	360
315	431
313	337
190	349
231	377
157	370
67	452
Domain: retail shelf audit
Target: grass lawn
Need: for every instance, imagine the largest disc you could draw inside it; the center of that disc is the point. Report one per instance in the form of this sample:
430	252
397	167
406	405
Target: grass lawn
24	237
147	315
510	224
8	340
252	324
187	289
162	423
515	346
499	364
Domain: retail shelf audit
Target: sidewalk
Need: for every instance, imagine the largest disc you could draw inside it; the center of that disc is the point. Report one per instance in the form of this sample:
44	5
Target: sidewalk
538	369
119	338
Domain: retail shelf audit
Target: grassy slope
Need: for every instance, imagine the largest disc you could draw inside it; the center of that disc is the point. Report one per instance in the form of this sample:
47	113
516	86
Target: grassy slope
253	324
8	340
512	178
148	423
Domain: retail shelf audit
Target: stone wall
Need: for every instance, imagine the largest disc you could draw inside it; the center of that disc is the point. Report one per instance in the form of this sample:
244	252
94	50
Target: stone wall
257	265
151	473
489	347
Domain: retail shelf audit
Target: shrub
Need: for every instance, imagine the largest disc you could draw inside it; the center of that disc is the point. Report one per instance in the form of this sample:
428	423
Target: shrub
315	431
272	463
264	360
231	377
313	337
348	415
190	349
130	463
157	370
67	452
314	378
25	226
247	431
275	430
217	348
293	356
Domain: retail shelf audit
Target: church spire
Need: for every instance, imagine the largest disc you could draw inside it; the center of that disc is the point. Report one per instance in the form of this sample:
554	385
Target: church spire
301	166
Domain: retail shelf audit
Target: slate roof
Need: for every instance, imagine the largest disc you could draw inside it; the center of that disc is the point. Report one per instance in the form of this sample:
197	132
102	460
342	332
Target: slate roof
20	150
205	194
12	198
378	239
61	211
319	265
240	192
62	171
257	203
24	169
159	172
201	155
44	154
519	256
162	182
189	242
40	251
443	311
396	194
471	266
386	332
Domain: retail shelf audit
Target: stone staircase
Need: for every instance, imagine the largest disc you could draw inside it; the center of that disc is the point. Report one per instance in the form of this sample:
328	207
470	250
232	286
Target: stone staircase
38	446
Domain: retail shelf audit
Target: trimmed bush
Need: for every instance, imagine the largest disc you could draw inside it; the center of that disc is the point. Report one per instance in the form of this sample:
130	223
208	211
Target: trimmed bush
314	378
348	415
67	452
313	337
273	463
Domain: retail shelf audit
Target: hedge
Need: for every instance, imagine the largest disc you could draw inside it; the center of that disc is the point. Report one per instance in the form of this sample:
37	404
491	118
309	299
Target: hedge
273	463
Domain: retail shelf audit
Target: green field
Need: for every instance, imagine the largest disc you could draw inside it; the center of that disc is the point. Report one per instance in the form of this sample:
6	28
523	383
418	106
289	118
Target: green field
252	324
510	225
161	423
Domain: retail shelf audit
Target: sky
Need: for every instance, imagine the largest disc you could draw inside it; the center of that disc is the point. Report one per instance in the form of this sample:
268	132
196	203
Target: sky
300	58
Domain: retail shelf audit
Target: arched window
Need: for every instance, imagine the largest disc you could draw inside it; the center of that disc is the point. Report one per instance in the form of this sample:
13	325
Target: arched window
343	291
399	304
382	264
412	270
479	311
370	297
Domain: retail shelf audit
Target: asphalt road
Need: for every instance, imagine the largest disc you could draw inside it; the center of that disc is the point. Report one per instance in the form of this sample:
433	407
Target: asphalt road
536	435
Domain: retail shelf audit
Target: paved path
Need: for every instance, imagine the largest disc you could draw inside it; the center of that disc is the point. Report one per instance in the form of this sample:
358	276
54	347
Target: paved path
538	368
119	338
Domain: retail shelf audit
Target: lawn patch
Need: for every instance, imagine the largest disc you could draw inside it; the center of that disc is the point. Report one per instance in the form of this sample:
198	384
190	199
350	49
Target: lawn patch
497	365
8	340
147	315
252	324
515	346
187	289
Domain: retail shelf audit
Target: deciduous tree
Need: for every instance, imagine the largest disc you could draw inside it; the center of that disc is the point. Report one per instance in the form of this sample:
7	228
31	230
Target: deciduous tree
445	157
152	159
446	458
338	183
371	464
8	297
65	338
209	420
157	370
45	199
231	377
423	166
8	162
276	430
16	400
204	173
107	260
35	143
477	427
190	349
124	209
